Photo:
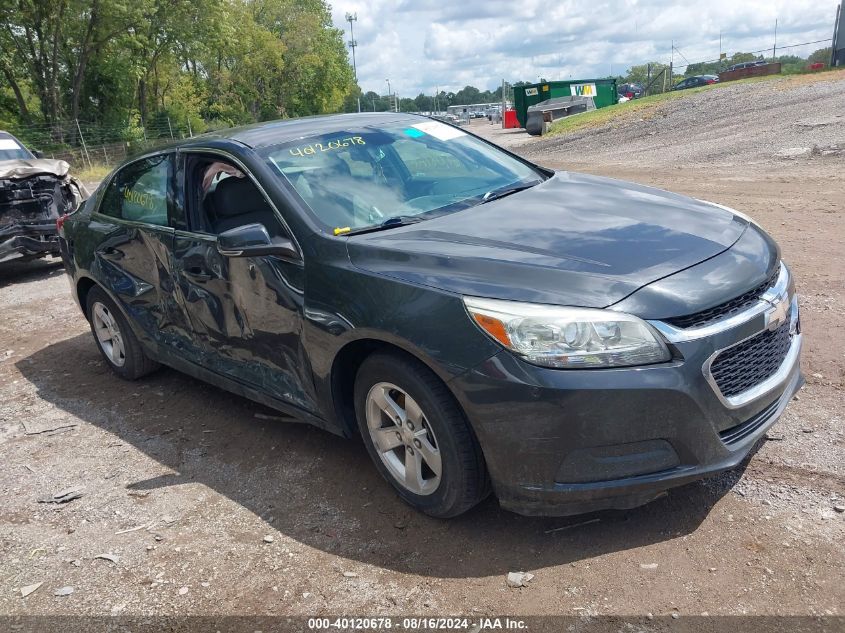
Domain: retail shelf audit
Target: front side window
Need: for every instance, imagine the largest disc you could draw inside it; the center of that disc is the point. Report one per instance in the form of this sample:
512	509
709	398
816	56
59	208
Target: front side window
140	192
361	177
224	197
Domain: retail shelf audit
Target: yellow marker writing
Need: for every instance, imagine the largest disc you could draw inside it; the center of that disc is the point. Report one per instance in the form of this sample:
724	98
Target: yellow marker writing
340	231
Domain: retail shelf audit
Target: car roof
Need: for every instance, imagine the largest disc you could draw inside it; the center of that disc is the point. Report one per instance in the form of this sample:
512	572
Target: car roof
268	133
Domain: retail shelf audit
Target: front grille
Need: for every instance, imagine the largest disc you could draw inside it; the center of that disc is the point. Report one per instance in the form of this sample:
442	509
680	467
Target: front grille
749	363
726	309
741	431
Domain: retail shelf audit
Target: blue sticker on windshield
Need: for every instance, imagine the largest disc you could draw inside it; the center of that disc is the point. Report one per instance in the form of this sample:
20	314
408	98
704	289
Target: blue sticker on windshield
414	133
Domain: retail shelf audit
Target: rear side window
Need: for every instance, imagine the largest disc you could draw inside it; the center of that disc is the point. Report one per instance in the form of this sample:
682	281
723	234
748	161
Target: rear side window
10	149
140	192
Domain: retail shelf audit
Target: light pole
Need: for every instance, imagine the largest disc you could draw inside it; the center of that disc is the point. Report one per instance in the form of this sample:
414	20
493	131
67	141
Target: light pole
353	17
775	45
390	107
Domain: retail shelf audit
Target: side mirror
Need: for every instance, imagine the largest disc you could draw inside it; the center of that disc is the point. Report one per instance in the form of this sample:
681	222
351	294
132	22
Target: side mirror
253	240
37	154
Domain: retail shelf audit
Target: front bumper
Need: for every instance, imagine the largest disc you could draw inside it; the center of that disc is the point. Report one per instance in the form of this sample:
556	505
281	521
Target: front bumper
32	239
561	442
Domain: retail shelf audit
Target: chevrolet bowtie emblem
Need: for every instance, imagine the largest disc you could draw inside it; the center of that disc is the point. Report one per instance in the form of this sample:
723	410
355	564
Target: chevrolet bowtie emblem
779	313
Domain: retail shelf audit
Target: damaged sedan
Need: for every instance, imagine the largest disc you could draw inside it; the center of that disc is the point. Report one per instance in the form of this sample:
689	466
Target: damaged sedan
34	193
567	342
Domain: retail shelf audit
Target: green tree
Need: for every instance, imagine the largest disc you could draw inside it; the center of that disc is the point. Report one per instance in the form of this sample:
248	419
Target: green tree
822	55
424	103
204	62
648	73
739	58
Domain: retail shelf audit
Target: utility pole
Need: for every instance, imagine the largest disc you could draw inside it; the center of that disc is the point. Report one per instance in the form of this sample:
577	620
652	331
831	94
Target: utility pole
671	65
504	102
775	45
353	17
389	104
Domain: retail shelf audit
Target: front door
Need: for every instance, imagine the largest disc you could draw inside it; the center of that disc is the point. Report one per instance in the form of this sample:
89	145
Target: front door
246	311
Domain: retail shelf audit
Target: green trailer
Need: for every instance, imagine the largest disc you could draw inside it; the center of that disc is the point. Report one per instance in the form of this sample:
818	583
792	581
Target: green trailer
603	92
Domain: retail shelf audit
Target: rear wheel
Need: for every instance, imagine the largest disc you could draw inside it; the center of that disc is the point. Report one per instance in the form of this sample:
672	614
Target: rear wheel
418	437
115	339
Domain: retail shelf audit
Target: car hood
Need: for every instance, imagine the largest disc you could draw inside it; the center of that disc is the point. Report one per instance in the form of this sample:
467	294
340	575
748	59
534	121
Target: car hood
571	240
28	167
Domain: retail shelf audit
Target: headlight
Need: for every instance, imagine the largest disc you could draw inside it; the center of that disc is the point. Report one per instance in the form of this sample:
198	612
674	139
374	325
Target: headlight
568	337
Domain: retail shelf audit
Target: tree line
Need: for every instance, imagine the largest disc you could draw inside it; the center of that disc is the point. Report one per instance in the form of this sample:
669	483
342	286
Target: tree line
438	101
204	63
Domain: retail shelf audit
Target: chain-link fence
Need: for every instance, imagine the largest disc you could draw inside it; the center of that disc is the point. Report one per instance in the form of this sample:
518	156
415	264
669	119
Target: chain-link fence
88	145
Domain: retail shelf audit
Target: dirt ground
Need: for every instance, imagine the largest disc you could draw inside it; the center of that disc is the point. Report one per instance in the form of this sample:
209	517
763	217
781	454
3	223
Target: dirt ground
208	507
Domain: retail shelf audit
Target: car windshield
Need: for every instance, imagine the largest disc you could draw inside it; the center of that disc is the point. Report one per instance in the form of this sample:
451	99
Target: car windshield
10	149
413	170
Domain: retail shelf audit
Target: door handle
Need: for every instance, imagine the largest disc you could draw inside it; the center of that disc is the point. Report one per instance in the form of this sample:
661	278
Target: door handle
200	274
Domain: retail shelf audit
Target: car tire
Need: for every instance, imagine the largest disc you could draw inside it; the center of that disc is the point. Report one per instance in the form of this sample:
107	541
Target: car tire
408	456
115	339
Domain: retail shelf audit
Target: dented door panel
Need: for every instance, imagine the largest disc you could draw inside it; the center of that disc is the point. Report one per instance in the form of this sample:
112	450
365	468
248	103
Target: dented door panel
247	315
134	262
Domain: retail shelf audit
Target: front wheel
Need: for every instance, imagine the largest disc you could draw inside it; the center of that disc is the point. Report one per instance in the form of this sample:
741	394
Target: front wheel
418	437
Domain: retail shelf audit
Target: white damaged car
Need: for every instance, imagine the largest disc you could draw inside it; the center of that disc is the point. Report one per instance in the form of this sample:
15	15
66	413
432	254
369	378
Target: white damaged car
34	193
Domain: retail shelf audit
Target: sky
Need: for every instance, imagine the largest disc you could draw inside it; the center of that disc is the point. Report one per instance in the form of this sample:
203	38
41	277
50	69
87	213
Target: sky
425	45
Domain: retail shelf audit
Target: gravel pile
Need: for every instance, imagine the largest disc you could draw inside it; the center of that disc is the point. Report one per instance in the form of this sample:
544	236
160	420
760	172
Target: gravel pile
791	118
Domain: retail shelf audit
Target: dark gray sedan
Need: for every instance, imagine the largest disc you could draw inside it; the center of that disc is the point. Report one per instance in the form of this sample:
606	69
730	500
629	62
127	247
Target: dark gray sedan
565	341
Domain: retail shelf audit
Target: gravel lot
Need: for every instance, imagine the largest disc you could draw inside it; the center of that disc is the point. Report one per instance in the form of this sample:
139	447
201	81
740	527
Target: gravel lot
726	126
205	503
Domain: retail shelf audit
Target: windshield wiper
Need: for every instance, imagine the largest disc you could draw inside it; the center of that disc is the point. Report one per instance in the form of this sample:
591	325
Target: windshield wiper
495	194
389	223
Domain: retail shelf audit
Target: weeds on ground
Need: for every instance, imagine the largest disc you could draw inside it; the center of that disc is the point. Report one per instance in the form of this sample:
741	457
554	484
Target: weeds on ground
96	171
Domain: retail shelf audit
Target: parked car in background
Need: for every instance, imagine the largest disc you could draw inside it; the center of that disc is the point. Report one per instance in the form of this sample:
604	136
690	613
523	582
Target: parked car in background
34	193
570	342
696	81
631	90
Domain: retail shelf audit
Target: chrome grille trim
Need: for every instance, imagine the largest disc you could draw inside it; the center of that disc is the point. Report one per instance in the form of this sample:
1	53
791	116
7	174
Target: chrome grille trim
769	384
767	300
726	309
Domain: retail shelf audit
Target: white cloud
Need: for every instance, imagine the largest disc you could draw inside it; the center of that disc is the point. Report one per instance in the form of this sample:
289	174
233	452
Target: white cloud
421	45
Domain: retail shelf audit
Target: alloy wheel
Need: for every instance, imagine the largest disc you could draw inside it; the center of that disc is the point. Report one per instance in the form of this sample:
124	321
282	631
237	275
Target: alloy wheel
108	334
403	438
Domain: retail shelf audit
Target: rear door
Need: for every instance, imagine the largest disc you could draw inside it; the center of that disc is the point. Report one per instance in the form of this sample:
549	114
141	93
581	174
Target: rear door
247	312
134	226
